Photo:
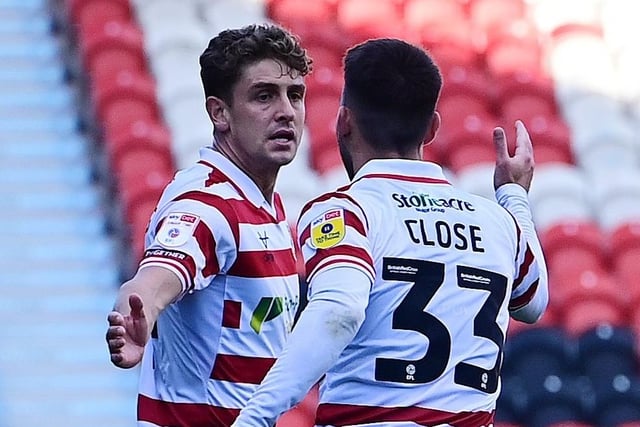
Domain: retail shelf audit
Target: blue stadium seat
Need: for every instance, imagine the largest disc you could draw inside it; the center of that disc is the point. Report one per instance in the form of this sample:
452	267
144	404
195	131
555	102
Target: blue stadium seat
605	353
618	403
536	353
561	398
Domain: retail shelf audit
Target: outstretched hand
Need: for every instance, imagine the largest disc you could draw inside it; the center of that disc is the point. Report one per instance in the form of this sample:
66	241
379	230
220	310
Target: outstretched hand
518	168
127	334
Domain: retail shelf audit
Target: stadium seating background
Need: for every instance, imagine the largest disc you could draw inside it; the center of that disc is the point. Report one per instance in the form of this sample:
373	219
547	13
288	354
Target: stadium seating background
121	86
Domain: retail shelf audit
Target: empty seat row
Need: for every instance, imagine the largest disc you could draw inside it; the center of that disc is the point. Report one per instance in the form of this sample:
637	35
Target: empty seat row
123	96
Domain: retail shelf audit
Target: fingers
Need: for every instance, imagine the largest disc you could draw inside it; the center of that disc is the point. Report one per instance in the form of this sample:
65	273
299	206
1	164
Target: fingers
523	141
116	341
137	306
115	318
116	358
500	144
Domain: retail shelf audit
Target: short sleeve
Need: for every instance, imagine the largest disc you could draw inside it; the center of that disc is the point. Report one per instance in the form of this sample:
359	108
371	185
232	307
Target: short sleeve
332	231
195	240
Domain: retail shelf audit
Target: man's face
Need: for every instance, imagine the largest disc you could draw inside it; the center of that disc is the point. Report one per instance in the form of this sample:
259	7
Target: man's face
267	115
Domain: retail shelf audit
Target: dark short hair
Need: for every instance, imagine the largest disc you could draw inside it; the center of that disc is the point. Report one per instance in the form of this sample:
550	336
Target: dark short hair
392	87
222	62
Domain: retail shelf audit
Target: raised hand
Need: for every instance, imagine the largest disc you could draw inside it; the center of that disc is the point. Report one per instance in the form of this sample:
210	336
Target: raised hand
127	334
518	168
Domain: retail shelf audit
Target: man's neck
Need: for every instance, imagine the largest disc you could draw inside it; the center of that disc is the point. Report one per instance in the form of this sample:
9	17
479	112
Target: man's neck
264	180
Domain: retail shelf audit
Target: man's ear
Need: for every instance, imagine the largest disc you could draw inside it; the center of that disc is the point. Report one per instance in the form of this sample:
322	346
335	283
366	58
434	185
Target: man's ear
218	111
432	131
344	122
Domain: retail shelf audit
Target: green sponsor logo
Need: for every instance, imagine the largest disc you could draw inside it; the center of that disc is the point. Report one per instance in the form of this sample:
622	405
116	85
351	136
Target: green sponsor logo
268	308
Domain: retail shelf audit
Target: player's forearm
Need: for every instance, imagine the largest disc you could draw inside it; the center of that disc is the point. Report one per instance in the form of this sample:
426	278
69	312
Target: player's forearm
514	198
326	326
156	287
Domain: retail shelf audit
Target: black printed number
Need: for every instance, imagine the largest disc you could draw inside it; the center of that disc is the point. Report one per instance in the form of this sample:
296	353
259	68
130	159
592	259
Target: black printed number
427	278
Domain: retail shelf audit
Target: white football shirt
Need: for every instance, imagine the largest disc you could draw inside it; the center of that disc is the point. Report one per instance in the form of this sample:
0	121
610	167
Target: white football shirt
235	256
446	268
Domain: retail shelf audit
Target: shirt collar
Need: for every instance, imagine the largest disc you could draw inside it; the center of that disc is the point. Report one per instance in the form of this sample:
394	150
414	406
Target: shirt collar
401	167
248	187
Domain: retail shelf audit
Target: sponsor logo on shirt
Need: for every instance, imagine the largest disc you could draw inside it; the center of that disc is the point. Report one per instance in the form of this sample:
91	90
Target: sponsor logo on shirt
328	229
425	203
176	229
270	308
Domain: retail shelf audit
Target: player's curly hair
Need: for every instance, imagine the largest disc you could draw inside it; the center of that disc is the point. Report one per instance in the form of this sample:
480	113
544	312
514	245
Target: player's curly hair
222	62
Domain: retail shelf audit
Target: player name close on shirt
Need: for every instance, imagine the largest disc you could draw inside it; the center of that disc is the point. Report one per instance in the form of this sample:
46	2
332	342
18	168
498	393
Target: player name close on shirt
235	257
446	268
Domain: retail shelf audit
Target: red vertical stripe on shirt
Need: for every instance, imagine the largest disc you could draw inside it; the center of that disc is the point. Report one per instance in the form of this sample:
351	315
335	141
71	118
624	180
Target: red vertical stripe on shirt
524	268
279	207
207	245
231	314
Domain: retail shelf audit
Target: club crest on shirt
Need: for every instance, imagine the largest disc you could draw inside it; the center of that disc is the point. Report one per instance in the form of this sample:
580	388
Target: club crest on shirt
177	228
328	229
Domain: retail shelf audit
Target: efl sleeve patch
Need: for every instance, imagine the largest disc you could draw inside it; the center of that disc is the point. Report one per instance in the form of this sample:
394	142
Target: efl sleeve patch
176	229
328	229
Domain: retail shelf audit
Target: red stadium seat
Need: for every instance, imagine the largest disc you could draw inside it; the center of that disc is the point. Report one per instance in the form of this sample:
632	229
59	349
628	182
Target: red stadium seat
455	108
524	96
294	13
526	108
430	154
422	14
143	167
140	133
365	19
521	29
550	136
472	151
124	100
442	26
114	46
321	118
141	162
573	246
87	15
465	131
475	82
326	77
138	216
508	55
587	299
488	14
625	257
549	319
551	139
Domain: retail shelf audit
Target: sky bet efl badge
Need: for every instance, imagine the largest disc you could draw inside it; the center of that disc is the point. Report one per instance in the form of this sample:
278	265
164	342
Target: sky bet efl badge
328	229
176	229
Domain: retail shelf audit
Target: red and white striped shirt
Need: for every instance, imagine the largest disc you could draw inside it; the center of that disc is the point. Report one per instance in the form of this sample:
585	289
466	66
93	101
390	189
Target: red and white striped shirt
446	268
235	256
